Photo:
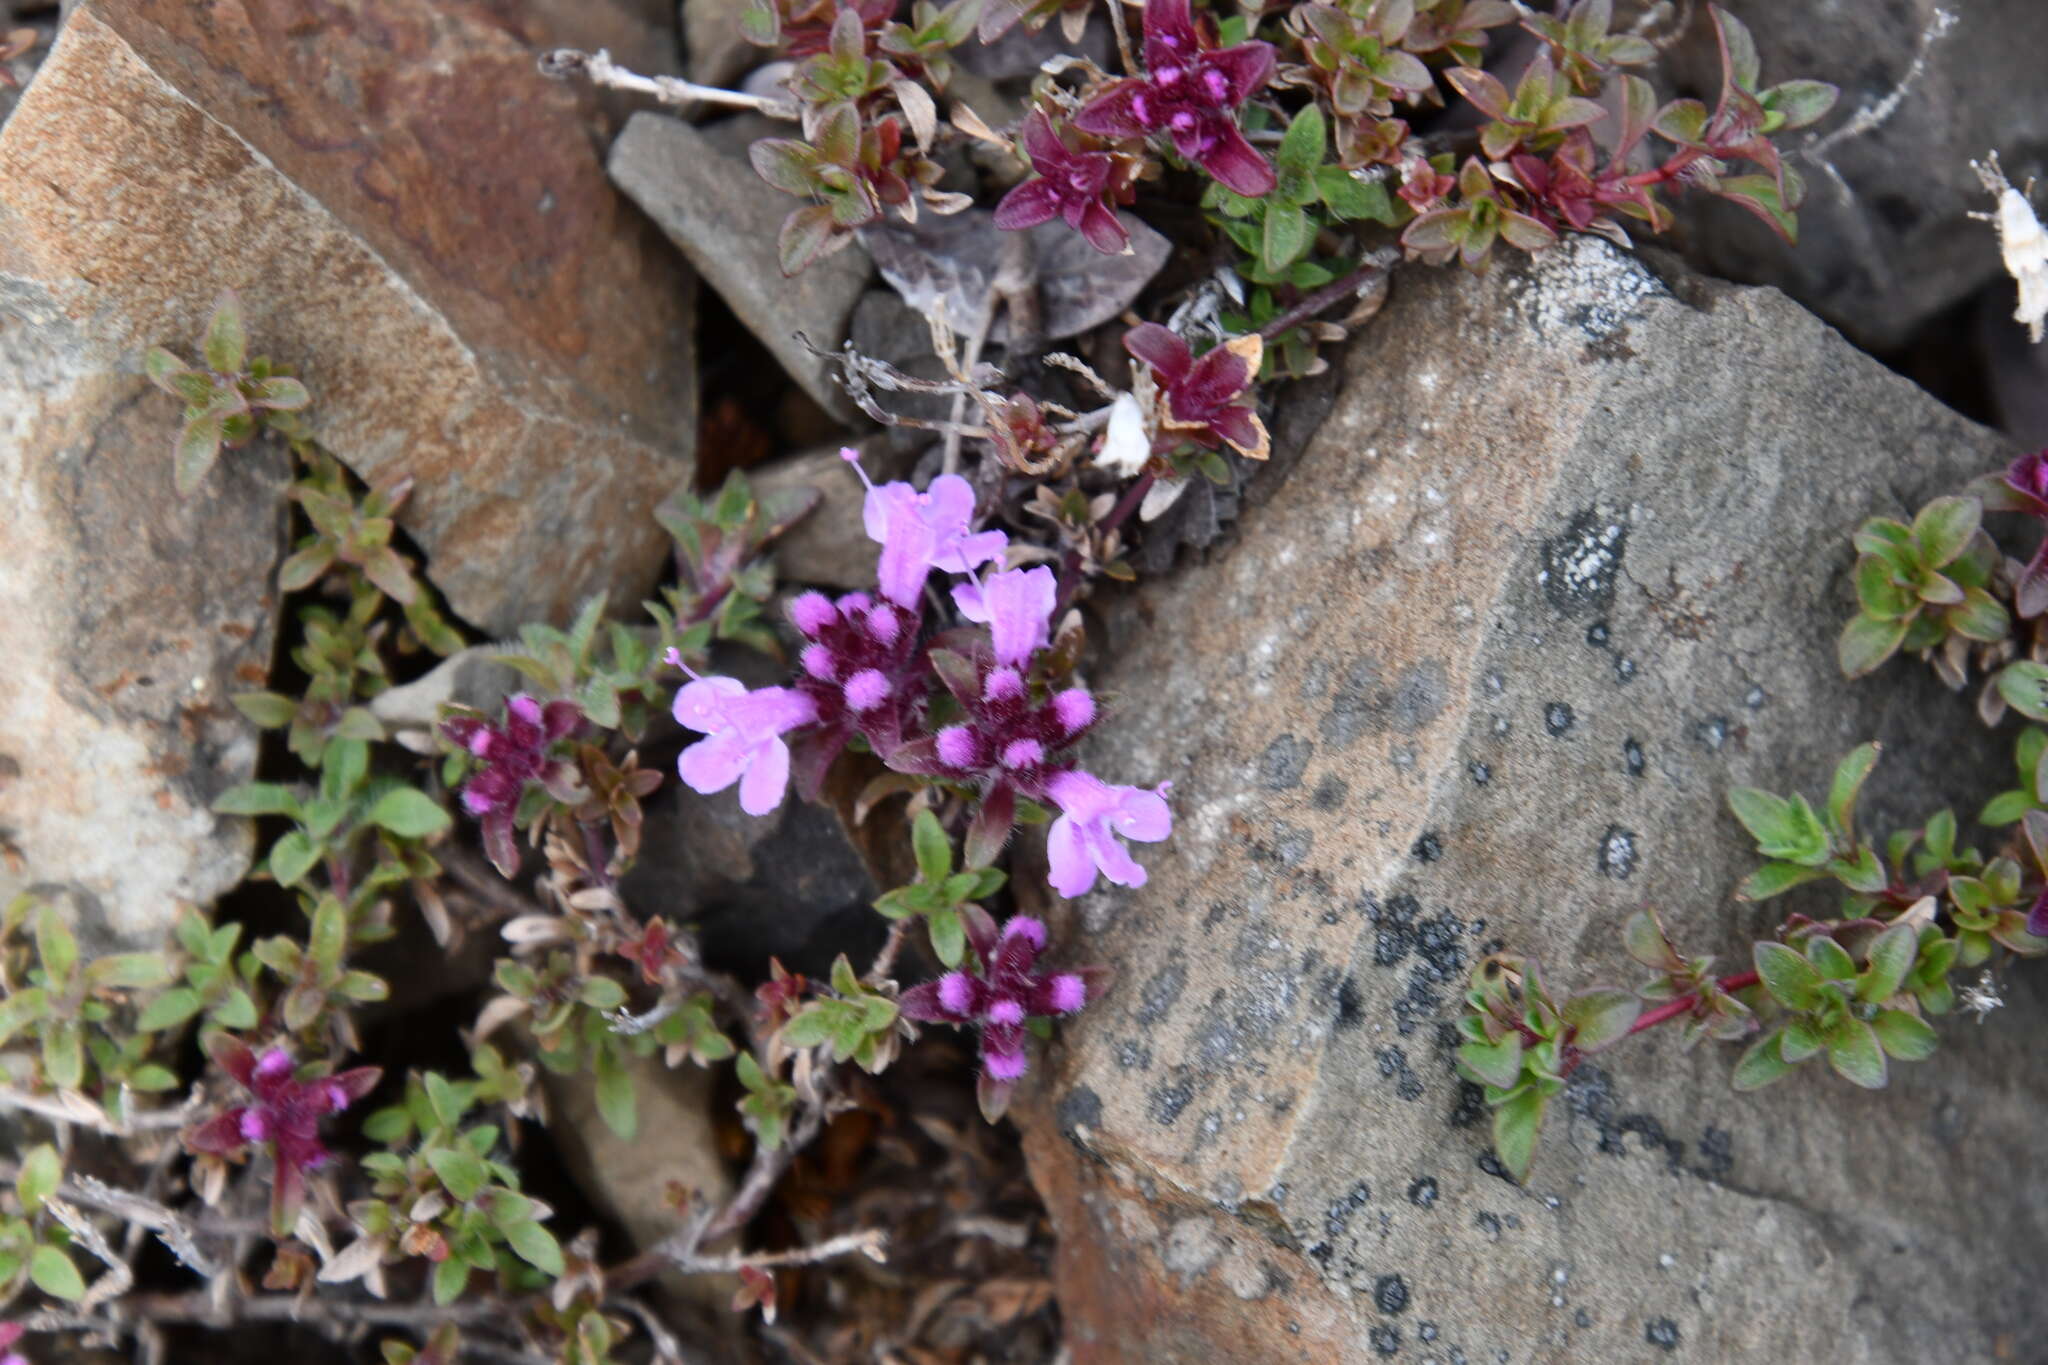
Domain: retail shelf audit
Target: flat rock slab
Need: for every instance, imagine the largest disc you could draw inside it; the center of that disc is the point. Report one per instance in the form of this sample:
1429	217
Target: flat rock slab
1565	563
418	222
724	218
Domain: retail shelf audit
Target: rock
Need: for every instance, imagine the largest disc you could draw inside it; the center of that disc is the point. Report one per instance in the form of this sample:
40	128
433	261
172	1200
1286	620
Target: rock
706	197
639	34
132	616
718	52
471	677
1884	241
1565	563
830	547
418	222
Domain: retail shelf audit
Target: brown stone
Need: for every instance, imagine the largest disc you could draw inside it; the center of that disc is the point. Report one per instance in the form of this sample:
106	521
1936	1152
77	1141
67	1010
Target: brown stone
418	222
1565	563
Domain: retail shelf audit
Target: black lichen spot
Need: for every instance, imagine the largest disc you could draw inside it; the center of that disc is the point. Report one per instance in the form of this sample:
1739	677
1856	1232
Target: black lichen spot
1161	991
1712	732
1133	1056
1394	1066
1330	793
1428	848
1488	1223
1581	566
1755	698
1338	1216
1080	1108
1390	1294
1583	1319
1425	1331
1661	1333
1481	774
1350	1005
1419	1004
1285	760
1386	1340
1169	1100
1394	937
1624	669
1470	1106
1422	1191
1597	635
1558	718
1363	705
1632	757
1617	853
1440	941
1717	1155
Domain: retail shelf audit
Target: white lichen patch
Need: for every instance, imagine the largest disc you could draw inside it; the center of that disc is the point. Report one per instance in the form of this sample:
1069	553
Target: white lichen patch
1585	284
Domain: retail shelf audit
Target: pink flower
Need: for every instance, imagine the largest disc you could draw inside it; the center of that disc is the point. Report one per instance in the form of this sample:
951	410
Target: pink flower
514	753
1015	606
1073	185
1192	95
1010	990
1083	840
743	738
1205	397
10	1332
919	532
284	1114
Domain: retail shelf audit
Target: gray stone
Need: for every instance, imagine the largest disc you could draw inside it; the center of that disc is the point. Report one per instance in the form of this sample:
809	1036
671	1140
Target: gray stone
133	615
1565	563
725	219
1884	240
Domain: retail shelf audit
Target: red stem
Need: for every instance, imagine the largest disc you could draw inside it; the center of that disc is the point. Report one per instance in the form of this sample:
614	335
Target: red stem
1685	1004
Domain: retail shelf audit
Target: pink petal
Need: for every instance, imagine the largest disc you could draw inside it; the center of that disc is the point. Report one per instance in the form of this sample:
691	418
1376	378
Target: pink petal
1114	860
1142	815
1069	868
700	705
971	552
713	764
767	778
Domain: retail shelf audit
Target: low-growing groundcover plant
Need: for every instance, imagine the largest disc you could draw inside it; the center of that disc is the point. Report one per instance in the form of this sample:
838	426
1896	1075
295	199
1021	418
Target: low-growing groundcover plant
1925	923
1297	140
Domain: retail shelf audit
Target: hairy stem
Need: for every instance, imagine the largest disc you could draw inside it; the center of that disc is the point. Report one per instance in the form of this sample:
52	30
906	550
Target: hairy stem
1686	1004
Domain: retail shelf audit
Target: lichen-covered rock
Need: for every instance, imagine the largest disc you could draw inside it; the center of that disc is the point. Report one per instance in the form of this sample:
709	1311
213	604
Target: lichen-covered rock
418	221
1564	564
131	618
1885	241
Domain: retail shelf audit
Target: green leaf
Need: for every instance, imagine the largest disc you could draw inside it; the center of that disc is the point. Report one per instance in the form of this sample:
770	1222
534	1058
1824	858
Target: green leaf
327	940
602	993
55	947
444	1099
268	710
809	1028
227	339
292	857
1867	642
1849	777
536	1246
236	1011
615	1094
198	447
449	1279
1891	956
54	1274
129	971
934	851
949	936
1301	147
169	1010
42	1171
1600	1016
1944	527
2005	808
22	1008
461	1173
1854	1053
1774	879
1783	829
282	393
1497	1064
1515	1126
1800	102
1905	1036
257	798
2024	686
1286	236
1789	977
409	813
1760	1064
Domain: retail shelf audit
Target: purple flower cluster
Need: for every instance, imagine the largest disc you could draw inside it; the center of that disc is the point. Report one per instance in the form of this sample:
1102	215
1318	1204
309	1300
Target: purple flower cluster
866	670
284	1114
514	753
1011	990
1192	94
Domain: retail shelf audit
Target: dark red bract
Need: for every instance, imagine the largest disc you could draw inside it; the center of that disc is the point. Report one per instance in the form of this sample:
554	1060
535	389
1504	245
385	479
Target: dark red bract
1075	186
283	1115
